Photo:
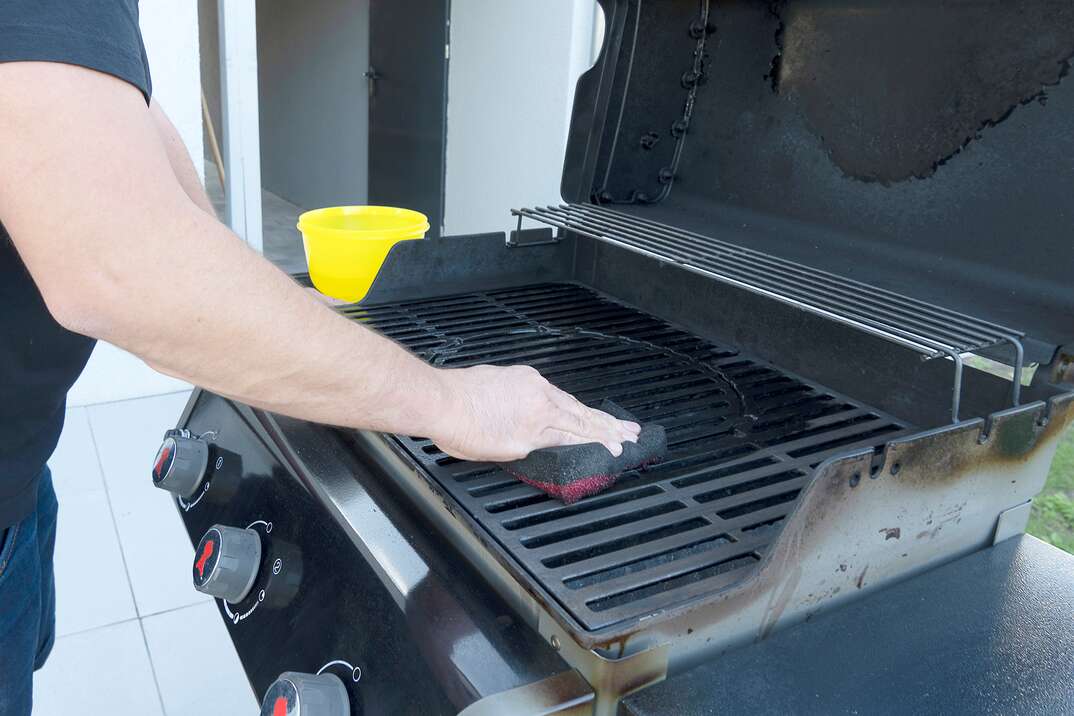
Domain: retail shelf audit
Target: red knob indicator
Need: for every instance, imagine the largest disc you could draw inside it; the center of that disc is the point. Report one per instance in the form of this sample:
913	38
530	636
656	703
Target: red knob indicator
206	553
181	463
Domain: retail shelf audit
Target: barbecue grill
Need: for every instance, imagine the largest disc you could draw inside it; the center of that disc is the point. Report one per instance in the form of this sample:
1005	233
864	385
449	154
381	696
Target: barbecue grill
786	229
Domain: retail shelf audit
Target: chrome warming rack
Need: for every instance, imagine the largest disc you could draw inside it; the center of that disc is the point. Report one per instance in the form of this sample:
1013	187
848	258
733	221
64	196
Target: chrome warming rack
931	330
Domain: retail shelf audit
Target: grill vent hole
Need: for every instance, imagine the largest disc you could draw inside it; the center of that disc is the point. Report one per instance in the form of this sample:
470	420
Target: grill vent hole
640	565
732	490
615	600
756	505
598	525
596	550
578	509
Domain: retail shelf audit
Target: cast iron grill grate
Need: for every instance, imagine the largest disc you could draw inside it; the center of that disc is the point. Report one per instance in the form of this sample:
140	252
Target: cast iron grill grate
743	439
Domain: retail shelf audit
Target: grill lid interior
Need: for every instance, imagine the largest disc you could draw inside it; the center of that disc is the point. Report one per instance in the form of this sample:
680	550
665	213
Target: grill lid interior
917	147
743	436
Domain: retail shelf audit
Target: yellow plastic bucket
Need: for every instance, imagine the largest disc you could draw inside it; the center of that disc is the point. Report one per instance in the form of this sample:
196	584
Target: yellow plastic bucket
346	245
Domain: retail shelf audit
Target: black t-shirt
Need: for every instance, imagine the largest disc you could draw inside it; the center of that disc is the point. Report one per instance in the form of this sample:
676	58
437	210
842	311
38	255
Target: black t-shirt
39	359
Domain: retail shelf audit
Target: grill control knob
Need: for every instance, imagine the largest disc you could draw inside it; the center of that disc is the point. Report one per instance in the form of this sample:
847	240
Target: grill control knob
181	463
295	694
226	562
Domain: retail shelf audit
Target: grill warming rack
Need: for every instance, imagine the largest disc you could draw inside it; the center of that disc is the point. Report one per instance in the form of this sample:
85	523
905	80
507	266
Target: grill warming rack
931	330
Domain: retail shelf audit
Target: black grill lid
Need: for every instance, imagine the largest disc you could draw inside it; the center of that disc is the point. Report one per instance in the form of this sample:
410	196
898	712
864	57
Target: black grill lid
925	148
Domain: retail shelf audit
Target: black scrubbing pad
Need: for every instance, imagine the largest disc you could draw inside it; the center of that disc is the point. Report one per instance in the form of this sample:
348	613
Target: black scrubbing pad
571	472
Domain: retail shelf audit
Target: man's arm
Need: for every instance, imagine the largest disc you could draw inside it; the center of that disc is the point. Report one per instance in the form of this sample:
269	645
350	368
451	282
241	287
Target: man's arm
120	252
179	159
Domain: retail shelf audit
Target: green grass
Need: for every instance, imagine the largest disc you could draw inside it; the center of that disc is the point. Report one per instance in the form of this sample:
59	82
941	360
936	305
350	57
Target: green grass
1052	519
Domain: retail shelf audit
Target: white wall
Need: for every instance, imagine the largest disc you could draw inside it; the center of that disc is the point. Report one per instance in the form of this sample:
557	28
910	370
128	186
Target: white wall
170	32
511	81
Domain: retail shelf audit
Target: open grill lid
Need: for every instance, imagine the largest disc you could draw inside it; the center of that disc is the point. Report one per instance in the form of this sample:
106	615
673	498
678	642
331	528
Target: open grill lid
923	148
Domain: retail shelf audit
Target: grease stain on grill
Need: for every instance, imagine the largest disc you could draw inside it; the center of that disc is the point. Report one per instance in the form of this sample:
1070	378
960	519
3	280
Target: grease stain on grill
743	435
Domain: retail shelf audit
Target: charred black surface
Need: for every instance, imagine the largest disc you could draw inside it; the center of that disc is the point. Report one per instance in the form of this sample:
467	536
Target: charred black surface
920	147
775	9
895	90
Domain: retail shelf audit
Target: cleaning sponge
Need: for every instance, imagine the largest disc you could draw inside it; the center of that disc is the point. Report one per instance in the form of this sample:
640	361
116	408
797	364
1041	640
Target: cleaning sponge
571	472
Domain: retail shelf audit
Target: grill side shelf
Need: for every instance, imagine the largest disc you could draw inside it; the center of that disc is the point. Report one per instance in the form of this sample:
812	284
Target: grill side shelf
931	330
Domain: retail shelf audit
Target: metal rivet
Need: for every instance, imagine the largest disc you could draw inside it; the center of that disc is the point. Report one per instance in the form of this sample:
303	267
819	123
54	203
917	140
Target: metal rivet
555	642
855	479
874	471
895	468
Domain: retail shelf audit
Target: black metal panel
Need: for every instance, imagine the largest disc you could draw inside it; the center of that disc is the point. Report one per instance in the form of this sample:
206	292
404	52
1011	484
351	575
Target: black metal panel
323	602
988	634
743	438
407	105
451	642
923	148
418	269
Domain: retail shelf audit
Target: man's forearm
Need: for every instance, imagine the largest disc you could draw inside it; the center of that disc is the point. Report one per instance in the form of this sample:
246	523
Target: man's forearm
202	314
120	251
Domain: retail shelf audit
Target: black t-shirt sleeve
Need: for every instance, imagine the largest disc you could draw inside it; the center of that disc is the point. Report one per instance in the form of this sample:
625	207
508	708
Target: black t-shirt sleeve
102	35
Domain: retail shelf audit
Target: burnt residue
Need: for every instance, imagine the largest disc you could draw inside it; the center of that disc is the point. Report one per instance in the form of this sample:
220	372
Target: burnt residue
1040	98
891	533
1015	437
897	90
860	581
775	9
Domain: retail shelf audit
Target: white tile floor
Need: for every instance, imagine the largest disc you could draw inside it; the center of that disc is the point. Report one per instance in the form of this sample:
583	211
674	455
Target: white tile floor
124	606
133	637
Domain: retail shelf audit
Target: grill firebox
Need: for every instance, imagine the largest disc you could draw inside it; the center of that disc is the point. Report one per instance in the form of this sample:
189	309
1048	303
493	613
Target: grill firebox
744	437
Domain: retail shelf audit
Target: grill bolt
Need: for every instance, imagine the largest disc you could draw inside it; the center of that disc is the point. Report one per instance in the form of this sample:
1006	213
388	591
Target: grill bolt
649	140
1064	373
678	128
699	28
665	176
690	79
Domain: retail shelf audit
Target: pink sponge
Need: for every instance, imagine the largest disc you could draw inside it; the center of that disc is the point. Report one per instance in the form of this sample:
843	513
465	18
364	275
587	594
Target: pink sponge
571	472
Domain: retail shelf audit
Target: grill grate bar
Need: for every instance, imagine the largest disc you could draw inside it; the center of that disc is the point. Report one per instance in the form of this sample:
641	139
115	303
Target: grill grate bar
669	569
932	330
743	439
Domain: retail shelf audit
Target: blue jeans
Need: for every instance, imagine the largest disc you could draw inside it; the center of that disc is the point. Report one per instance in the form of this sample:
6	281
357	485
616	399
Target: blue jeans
27	600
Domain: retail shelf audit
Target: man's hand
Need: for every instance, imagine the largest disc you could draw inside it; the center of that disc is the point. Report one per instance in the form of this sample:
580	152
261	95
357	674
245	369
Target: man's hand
504	414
